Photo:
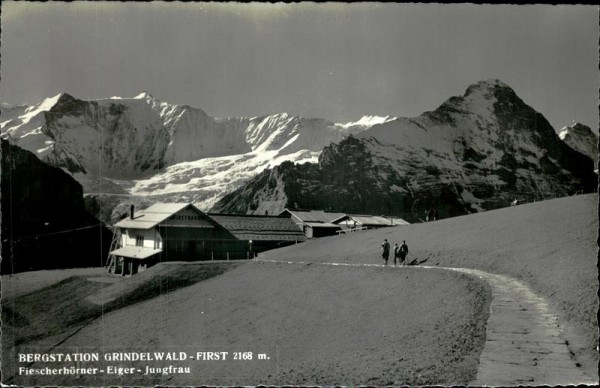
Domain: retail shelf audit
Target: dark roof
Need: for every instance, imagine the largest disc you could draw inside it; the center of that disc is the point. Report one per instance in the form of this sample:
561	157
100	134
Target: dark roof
255	227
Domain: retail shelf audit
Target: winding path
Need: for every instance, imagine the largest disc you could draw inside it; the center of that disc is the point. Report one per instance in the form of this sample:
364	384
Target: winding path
524	342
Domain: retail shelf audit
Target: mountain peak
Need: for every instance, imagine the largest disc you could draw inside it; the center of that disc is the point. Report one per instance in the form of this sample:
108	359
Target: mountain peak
64	103
580	127
581	138
493	82
144	95
48	103
62	97
575	129
282	115
485	98
488	86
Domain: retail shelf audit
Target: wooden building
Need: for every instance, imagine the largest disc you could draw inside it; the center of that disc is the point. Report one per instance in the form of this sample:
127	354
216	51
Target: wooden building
182	232
260	233
314	223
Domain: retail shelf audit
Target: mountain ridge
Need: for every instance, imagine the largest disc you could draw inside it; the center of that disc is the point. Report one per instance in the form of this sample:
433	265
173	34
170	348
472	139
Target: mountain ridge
153	150
478	151
157	150
159	134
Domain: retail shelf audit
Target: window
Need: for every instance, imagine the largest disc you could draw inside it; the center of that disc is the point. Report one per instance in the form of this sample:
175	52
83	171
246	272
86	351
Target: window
139	241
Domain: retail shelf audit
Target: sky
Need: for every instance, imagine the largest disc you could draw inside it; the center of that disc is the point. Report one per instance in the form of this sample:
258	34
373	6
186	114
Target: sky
336	61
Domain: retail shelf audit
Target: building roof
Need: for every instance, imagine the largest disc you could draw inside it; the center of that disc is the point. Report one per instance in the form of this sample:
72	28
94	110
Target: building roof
321	225
313	215
260	228
166	208
135	252
399	221
369	220
152	216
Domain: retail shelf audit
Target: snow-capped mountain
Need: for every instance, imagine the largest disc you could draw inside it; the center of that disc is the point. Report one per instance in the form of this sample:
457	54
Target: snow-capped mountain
582	139
145	147
478	151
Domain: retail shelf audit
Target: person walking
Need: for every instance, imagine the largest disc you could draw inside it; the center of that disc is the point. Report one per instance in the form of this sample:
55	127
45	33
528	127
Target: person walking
385	248
403	252
396	254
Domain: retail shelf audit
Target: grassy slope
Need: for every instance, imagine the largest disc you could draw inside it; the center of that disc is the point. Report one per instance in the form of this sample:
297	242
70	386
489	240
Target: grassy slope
47	305
75	297
551	245
27	282
330	325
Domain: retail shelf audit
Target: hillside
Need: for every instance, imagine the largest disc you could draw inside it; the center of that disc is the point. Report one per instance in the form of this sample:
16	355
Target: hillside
550	245
475	152
44	222
319	325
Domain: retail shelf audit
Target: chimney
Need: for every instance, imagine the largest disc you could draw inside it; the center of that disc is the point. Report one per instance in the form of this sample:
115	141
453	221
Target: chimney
131	212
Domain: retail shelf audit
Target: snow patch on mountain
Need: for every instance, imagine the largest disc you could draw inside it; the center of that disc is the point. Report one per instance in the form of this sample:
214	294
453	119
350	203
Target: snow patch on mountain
368	121
205	181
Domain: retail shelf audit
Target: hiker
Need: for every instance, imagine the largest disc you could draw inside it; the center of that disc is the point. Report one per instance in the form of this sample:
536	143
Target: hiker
435	214
403	252
396	254
427	213
385	247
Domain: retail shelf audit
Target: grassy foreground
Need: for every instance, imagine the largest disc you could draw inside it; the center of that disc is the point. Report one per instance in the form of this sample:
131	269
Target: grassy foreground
321	324
551	245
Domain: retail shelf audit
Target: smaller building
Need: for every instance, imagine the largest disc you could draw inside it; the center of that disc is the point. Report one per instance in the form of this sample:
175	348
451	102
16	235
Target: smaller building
314	223
260	233
356	222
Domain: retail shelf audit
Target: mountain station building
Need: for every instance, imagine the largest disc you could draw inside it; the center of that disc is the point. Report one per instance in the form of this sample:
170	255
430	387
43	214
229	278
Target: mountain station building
182	232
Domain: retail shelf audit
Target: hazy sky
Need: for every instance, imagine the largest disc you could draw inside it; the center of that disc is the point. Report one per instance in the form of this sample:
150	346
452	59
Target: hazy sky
335	61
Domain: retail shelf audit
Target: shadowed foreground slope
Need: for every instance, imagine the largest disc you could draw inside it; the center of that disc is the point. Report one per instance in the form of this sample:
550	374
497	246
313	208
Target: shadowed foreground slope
317	324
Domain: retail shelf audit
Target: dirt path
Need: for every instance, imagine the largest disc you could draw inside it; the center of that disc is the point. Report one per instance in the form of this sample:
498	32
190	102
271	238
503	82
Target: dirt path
524	342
